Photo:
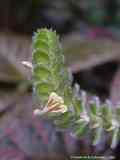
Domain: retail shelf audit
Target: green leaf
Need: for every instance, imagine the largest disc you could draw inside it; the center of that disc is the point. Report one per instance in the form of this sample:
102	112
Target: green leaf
97	135
106	115
80	129
115	137
64	120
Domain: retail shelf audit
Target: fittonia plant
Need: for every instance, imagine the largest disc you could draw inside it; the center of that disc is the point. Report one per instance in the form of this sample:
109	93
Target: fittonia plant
67	107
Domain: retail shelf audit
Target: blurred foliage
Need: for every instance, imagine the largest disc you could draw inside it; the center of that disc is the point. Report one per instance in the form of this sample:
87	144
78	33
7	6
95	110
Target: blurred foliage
26	16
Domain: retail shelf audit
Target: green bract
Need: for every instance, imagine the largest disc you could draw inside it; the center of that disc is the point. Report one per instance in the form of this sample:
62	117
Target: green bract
49	72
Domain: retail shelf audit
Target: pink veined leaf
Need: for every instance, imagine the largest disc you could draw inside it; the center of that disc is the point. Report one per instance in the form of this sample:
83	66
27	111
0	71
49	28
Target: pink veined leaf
84	51
115	88
14	49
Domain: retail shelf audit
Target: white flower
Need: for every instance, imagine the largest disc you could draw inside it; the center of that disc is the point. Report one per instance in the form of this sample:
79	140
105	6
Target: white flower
55	104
